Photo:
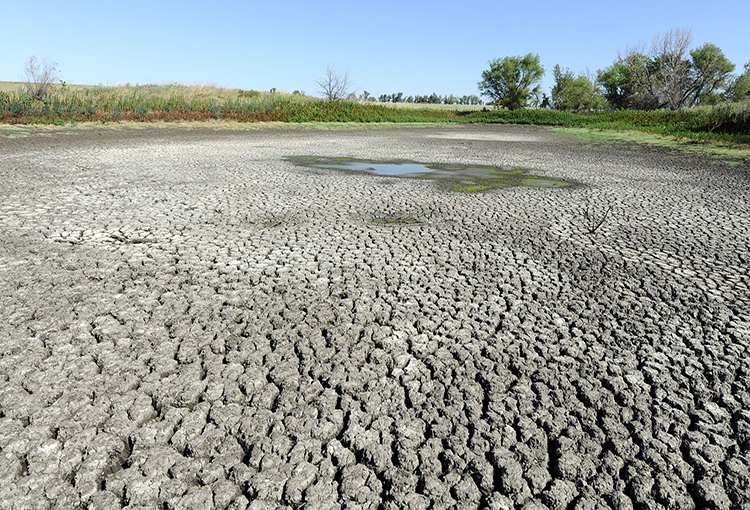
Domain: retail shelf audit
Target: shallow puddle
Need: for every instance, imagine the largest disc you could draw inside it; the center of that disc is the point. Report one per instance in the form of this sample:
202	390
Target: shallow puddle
383	168
456	177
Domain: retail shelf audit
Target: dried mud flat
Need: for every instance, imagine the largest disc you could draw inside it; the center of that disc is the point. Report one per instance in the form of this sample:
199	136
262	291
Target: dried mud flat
188	320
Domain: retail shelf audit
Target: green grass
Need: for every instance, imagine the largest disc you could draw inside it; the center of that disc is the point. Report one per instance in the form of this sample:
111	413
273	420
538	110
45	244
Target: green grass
329	111
731	153
459	109
728	123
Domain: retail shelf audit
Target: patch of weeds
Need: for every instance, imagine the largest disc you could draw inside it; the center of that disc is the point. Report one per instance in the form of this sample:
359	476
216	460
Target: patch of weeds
459	186
273	221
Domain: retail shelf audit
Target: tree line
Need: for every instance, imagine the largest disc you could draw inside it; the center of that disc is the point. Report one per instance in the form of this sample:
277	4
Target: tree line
433	98
667	74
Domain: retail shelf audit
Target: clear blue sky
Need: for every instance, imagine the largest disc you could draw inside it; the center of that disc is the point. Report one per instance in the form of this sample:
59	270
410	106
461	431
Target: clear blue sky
388	46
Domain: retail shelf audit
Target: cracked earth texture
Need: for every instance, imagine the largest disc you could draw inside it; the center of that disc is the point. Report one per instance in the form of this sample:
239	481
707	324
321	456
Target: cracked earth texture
188	320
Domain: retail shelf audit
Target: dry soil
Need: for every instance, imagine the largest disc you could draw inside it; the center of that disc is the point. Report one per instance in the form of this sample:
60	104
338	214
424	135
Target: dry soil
189	320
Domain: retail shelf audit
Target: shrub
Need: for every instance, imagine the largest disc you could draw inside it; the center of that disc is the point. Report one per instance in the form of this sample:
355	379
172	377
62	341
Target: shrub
39	77
250	94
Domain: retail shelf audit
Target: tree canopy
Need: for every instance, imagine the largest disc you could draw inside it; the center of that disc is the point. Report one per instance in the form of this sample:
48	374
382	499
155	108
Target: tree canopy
739	86
667	75
575	93
509	81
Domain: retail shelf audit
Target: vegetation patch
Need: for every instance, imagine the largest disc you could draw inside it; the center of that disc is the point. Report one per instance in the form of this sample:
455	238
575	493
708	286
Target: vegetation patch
732	154
457	186
65	105
273	221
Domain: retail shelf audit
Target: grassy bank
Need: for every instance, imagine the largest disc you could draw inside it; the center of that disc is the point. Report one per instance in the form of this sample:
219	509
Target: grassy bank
727	124
173	102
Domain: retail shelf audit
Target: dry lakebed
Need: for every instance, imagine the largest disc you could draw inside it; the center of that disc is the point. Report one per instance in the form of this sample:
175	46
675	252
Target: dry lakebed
194	318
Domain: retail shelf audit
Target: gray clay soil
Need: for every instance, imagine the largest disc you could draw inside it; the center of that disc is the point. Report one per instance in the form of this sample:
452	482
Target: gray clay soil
189	320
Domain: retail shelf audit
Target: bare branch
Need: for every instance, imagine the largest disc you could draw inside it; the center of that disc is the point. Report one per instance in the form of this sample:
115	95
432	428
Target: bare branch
593	221
662	74
39	77
593	217
334	85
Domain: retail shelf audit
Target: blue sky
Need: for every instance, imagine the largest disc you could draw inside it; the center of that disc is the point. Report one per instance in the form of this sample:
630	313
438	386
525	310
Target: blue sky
387	46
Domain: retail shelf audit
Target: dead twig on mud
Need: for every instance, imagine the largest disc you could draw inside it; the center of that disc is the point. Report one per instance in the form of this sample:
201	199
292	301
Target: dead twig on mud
593	218
592	221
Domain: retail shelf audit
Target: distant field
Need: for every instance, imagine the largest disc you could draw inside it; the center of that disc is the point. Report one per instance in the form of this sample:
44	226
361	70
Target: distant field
9	86
15	86
150	89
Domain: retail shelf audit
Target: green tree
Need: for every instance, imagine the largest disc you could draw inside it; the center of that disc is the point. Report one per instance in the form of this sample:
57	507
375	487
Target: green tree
738	88
710	71
575	93
619	90
510	81
667	75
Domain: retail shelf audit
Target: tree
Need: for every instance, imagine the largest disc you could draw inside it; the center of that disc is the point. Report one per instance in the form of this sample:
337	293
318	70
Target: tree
39	77
667	75
334	85
619	90
575	93
710	71
738	88
509	81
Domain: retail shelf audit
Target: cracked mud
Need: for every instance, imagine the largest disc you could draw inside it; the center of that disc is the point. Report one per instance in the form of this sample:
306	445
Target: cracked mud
188	320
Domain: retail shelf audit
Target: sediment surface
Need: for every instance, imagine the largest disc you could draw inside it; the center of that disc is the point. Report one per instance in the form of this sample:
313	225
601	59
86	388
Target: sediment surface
188	320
